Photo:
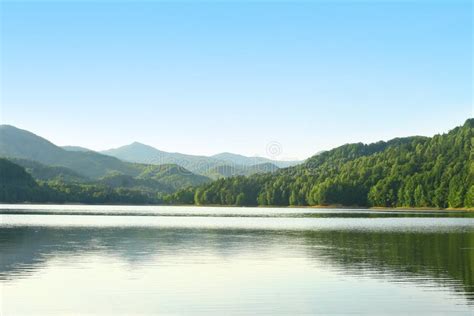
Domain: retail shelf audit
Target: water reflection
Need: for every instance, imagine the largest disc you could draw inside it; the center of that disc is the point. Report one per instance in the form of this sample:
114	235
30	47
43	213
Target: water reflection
236	265
446	258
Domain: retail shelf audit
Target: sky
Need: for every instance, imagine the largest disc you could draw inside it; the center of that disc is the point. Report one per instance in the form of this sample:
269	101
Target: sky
277	79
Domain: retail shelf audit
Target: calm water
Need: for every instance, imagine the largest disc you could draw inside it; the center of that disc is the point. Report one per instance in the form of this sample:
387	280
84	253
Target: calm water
97	260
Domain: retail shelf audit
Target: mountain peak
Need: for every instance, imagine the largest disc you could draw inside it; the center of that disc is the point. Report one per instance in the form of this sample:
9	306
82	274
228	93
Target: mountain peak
132	146
138	144
228	154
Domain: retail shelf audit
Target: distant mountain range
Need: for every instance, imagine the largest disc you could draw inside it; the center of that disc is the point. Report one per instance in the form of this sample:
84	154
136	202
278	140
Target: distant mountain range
132	166
75	148
229	170
404	172
47	162
230	164
417	171
252	161
18	143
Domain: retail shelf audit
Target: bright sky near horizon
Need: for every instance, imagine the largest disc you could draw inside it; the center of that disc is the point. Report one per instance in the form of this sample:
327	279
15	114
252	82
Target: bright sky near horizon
208	77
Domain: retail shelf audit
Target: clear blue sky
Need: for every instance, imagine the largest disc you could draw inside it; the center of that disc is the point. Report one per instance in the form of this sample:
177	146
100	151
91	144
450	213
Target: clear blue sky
209	77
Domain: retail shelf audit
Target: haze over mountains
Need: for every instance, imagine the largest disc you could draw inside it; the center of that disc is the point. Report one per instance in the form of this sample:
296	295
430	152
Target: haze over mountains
75	148
18	143
129	160
233	164
47	162
413	171
405	172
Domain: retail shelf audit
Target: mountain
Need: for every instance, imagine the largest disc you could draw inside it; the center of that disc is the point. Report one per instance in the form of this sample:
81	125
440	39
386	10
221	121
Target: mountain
236	159
16	185
408	172
173	175
414	171
42	172
156	178
18	143
141	153
75	148
228	164
225	171
47	161
136	152
129	182
261	168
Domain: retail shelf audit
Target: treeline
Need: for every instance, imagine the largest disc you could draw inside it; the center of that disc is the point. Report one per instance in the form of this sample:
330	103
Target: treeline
404	172
18	186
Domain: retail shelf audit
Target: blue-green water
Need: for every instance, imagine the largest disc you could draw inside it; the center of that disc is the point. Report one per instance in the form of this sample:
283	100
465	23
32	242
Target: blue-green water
127	260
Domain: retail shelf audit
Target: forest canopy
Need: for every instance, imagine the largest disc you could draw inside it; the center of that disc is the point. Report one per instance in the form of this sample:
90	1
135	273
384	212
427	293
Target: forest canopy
404	172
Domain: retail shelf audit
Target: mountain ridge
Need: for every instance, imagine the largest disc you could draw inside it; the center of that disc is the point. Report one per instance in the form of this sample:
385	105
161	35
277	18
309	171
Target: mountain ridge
412	171
435	172
47	161
143	153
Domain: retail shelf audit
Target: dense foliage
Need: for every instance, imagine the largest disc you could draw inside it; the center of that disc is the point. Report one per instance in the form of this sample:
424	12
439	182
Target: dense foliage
46	161
404	172
58	192
42	172
230	170
162	179
217	166
176	177
17	185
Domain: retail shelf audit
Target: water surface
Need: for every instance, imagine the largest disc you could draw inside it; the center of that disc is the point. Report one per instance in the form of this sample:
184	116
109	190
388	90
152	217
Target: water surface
128	260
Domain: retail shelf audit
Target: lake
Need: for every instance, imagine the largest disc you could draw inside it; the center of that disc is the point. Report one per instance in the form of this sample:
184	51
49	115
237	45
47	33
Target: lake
144	260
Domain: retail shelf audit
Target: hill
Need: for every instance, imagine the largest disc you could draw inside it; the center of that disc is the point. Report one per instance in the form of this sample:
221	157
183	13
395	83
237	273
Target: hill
16	184
173	175
214	166
48	173
414	171
140	184
404	172
225	171
18	143
47	162
235	159
141	153
265	167
75	148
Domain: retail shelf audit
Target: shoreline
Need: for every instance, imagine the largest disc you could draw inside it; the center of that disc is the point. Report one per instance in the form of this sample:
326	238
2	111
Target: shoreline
334	206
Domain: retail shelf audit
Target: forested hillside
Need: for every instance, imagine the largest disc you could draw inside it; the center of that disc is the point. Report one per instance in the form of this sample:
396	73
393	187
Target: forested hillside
18	143
47	162
49	173
226	171
404	172
37	154
217	166
18	186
